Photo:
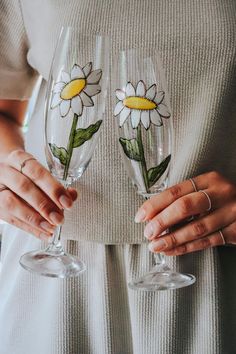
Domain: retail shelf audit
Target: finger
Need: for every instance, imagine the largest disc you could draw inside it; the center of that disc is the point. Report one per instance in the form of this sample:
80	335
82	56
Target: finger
10	219
229	233
73	193
42	178
191	204
17	208
160	201
197	229
223	191
29	192
212	240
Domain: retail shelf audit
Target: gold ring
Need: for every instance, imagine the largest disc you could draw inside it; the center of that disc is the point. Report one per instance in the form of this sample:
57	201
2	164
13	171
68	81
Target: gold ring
22	165
208	198
193	184
222	236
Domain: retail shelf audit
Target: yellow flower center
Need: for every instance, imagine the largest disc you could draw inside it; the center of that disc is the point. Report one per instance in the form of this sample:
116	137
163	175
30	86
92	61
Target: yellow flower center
141	103
72	89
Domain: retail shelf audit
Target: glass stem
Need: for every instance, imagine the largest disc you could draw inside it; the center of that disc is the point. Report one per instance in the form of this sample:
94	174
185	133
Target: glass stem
70	145
55	244
142	158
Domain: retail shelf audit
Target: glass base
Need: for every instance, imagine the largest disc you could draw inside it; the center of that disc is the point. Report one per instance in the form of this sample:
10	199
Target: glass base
52	263
162	279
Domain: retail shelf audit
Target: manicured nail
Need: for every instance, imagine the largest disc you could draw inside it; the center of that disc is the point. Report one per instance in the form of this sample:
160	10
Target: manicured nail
157	245
140	216
65	202
46	226
56	218
149	230
44	237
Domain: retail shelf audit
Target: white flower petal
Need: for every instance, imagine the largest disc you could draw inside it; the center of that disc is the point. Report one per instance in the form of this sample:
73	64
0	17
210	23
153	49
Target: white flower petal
92	90
86	100
141	89
87	68
94	77
120	94
124	115
151	92
76	105
135	118
159	97
64	107
129	90
77	72
56	99
156	118
163	110
118	108
145	118
65	77
58	87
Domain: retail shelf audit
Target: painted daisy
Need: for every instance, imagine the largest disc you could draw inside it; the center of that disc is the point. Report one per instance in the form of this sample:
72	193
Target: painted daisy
142	104
76	89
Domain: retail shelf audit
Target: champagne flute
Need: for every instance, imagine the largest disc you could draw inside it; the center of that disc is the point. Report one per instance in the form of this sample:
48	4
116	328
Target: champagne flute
74	110
145	132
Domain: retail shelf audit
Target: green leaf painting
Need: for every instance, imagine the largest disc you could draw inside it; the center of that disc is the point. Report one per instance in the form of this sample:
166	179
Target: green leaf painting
60	153
131	148
82	135
156	172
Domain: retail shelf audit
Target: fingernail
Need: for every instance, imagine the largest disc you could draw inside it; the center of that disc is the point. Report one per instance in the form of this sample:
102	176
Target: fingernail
149	230
65	202
56	218
44	237
46	226
140	216
158	245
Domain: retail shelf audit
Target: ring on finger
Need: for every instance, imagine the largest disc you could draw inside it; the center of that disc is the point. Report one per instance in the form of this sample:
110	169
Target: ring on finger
22	165
208	198
193	184
222	237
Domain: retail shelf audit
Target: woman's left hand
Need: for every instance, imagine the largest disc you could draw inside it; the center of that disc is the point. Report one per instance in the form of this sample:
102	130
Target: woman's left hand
197	219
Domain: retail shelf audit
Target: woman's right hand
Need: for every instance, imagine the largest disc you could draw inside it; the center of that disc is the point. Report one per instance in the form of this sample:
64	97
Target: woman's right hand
33	199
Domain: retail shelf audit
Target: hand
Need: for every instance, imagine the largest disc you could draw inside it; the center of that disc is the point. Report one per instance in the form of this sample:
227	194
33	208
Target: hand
195	227
33	200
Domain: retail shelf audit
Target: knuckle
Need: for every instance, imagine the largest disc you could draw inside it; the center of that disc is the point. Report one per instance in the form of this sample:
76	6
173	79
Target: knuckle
172	241
16	155
175	192
205	243
160	222
43	205
199	229
31	219
185	206
181	249
24	185
12	221
9	202
37	173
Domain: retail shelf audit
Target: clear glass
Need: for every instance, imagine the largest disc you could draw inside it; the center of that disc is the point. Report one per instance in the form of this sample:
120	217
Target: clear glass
74	111
144	128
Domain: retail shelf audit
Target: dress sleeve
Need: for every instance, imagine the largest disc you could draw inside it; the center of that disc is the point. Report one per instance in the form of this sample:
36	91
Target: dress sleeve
17	77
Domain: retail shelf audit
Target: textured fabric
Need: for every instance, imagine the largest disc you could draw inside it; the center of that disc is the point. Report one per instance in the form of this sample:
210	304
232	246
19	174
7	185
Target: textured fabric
96	313
200	70
17	77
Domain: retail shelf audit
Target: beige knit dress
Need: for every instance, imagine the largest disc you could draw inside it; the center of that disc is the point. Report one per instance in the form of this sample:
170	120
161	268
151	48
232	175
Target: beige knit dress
97	313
